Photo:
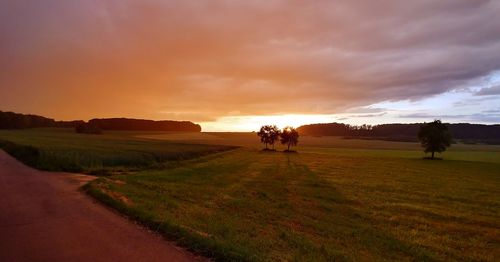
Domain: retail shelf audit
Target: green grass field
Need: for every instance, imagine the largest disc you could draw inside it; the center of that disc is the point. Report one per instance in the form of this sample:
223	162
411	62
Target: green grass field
65	150
335	199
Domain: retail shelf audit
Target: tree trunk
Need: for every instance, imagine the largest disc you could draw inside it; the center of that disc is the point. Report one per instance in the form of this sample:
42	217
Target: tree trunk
266	145
432	155
288	146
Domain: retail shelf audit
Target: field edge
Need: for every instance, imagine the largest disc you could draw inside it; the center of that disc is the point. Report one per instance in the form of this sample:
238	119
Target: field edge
199	245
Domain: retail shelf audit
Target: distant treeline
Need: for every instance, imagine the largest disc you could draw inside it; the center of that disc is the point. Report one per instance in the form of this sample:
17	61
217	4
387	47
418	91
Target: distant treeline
144	125
473	133
10	120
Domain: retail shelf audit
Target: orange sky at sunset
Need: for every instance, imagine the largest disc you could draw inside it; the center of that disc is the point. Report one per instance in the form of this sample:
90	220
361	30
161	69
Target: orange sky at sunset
234	65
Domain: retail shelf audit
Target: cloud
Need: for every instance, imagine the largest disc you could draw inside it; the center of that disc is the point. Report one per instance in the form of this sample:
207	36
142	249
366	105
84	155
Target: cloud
361	110
476	100
496	111
204	60
368	115
431	116
491	91
484	117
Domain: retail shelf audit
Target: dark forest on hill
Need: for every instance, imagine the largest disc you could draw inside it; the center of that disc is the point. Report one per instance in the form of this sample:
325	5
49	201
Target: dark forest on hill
10	120
467	133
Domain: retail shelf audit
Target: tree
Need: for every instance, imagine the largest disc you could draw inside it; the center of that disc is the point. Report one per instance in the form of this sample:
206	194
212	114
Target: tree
289	137
434	137
268	135
274	135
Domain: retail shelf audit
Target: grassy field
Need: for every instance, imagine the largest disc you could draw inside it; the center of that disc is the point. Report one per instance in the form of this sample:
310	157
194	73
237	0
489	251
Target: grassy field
65	150
334	200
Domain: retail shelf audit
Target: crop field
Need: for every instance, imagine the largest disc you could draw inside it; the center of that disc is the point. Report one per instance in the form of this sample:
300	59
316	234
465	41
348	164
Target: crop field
335	199
64	150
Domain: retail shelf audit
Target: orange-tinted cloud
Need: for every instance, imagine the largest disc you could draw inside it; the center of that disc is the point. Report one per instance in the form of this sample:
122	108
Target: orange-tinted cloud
200	60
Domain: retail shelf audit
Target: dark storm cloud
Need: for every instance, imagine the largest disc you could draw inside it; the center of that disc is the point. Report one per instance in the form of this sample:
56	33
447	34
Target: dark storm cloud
145	58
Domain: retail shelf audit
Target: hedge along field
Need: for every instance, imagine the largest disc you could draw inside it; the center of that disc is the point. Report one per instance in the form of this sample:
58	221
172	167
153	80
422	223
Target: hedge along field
61	149
323	203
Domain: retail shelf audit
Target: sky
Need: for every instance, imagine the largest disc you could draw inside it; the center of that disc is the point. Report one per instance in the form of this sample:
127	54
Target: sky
236	65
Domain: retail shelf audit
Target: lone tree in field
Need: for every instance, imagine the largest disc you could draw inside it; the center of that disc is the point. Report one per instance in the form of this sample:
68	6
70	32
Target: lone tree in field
434	137
268	135
289	137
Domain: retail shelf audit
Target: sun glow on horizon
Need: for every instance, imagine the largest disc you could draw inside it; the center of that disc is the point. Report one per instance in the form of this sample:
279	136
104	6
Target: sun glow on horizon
253	123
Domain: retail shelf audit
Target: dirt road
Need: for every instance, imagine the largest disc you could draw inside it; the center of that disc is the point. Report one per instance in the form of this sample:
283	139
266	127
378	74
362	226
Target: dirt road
44	217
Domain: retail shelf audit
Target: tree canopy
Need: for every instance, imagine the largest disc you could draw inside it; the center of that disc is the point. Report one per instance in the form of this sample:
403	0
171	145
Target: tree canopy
434	137
269	134
289	137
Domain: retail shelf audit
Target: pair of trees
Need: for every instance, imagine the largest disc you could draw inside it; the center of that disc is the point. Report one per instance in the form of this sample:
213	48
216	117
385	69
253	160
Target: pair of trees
434	137
269	134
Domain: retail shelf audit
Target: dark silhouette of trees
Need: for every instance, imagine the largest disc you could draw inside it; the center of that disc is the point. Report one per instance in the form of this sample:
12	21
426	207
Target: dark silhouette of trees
289	137
69	124
11	120
275	135
264	134
268	135
466	133
434	137
88	129
145	125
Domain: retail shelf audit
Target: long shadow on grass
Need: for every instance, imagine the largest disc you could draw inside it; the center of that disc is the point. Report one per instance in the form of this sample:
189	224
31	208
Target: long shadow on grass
341	225
258	206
